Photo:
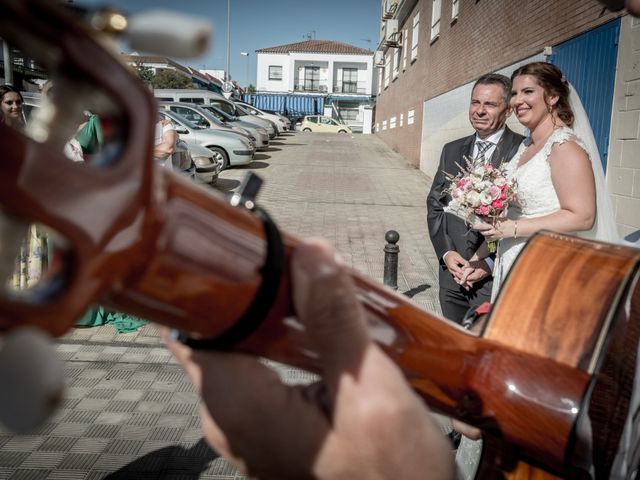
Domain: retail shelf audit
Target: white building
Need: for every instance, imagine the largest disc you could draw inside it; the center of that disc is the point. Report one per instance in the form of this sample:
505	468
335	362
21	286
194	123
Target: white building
338	75
318	66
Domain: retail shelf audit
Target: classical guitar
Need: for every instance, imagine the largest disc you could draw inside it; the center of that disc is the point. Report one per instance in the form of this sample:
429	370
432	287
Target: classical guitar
549	380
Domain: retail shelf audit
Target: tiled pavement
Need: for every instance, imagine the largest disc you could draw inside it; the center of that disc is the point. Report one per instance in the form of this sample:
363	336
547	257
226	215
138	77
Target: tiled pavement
129	412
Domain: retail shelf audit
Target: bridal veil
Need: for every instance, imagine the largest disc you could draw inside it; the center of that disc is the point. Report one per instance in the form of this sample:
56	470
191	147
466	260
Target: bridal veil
604	228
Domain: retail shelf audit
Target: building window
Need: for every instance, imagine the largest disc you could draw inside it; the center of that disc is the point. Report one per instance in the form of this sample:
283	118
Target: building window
410	114
404	50
397	59
401	119
384	125
387	68
380	80
275	72
312	79
349	80
455	6
392	123
435	19
349	114
414	37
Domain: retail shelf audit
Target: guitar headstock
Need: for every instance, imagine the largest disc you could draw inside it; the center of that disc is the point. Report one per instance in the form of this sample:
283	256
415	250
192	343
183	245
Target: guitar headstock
87	216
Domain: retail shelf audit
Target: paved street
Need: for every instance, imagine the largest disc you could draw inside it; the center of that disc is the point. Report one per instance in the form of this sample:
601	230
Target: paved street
129	412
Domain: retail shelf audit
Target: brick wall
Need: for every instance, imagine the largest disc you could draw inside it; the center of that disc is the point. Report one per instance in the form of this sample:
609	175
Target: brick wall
623	169
488	35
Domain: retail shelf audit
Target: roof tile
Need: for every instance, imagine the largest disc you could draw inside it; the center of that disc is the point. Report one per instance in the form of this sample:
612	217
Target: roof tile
317	46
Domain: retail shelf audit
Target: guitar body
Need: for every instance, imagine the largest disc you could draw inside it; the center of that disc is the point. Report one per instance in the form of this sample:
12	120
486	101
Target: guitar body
577	303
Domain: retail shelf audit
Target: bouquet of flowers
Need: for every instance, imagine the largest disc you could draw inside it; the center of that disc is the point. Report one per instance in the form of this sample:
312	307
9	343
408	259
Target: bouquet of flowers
480	190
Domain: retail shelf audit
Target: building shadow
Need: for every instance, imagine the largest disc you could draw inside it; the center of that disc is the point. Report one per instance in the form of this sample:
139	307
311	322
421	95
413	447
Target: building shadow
416	290
168	462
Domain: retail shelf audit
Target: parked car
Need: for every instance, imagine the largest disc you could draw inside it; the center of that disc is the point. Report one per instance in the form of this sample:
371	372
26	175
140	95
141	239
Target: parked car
207	165
228	118
206	118
243	114
206	97
229	148
320	123
282	122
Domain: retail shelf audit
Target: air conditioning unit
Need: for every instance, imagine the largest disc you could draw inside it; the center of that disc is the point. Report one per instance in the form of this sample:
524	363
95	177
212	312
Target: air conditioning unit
391	27
394	40
378	58
390	10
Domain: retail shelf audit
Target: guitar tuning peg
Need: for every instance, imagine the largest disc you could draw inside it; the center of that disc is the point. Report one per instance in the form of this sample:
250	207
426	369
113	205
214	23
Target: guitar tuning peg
31	379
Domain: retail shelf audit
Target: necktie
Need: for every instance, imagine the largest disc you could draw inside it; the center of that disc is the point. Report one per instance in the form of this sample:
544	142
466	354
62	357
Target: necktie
482	149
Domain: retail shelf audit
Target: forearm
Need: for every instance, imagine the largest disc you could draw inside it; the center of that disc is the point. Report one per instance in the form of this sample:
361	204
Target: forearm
163	150
562	221
481	253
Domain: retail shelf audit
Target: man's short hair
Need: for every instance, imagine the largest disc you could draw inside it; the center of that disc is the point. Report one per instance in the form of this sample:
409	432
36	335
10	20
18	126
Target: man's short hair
496	79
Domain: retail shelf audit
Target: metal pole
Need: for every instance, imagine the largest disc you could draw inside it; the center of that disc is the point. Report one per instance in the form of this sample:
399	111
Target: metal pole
227	73
391	251
6	56
246	54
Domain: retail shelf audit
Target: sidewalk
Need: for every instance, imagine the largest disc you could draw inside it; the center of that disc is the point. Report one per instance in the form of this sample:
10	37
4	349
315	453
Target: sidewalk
129	412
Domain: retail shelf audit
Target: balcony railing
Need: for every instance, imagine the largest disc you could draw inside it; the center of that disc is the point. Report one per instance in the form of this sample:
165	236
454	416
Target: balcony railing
311	88
350	87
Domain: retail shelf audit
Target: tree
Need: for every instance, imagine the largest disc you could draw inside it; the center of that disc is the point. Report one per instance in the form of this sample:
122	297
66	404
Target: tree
145	73
251	89
171	79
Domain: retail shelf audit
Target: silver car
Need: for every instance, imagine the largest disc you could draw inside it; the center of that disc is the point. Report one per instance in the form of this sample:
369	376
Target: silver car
282	122
207	165
206	118
229	148
233	110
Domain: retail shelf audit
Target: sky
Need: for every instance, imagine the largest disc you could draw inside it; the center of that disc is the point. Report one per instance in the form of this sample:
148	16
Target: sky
257	24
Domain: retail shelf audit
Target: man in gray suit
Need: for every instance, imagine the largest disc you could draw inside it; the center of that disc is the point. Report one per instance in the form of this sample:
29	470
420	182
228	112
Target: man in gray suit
452	239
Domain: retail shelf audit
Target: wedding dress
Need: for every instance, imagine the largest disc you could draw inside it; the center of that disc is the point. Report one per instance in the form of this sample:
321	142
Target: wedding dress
536	198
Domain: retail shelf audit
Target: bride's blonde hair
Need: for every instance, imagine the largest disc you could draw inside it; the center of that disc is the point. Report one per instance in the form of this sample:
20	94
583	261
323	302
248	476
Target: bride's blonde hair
553	82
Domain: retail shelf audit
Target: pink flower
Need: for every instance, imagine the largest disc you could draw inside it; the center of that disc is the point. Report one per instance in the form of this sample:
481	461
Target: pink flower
503	196
495	192
482	210
497	204
461	183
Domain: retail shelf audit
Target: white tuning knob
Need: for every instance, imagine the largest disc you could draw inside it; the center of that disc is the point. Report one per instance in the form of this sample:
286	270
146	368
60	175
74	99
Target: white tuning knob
31	379
168	33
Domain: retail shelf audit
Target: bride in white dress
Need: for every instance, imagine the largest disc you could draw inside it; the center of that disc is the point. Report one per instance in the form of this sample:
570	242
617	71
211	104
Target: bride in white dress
561	185
558	171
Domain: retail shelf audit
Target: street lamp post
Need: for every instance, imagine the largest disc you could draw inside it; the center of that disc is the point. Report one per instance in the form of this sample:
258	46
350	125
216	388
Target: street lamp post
246	54
227	73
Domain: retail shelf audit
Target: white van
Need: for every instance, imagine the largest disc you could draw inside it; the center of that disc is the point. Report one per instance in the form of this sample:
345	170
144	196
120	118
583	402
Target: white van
187	95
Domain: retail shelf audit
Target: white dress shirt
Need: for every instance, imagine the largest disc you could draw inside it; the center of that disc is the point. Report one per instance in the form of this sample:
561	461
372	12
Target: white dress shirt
494	138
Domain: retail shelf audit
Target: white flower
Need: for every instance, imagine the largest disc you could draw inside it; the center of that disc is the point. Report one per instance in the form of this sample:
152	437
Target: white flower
499	181
479	171
485	198
473	199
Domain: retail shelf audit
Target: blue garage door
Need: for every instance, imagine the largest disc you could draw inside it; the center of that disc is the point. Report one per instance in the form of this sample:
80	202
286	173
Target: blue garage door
589	63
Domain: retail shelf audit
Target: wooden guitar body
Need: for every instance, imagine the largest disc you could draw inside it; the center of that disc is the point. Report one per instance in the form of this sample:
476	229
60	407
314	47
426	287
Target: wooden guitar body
548	380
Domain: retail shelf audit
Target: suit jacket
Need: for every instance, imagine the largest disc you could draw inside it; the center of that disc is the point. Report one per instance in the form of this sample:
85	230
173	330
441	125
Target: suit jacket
447	231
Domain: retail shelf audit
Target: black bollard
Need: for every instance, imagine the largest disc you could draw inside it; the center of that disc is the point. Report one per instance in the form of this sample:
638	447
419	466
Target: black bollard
391	259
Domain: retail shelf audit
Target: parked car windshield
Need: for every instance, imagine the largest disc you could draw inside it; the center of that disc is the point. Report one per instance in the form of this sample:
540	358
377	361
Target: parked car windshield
179	119
222	115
